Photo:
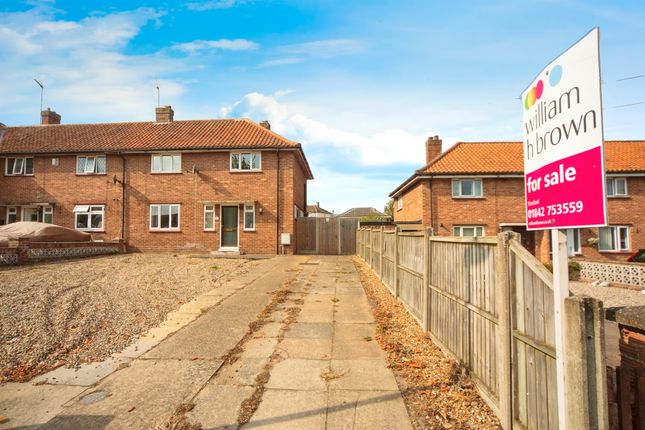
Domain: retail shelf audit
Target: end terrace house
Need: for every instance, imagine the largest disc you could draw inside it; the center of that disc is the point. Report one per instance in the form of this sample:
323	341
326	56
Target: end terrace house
477	189
164	185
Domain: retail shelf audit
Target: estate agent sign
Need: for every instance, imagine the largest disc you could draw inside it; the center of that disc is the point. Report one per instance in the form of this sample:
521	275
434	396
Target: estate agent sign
564	170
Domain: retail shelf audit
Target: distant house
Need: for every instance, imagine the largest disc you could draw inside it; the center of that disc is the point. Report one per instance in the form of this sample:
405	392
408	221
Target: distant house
221	184
477	189
315	211
360	213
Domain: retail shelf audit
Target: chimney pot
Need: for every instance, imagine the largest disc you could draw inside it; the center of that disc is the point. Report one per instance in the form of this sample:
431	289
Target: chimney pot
265	124
164	114
48	117
433	148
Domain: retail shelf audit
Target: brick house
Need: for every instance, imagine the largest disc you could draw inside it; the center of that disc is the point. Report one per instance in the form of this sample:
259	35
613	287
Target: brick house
225	184
477	188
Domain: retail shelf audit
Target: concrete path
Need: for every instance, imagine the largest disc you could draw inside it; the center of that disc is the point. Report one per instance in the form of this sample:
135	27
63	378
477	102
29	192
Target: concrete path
309	361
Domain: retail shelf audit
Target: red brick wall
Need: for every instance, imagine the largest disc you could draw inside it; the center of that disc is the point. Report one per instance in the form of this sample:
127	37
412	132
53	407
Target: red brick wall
213	182
413	204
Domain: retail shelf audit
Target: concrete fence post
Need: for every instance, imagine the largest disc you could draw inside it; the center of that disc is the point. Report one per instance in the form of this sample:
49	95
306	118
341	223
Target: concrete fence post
427	232
585	377
381	252
396	262
504	330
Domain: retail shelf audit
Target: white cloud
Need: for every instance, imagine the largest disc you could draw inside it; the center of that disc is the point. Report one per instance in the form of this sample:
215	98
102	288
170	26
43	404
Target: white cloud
327	48
215	4
282	62
383	147
224	44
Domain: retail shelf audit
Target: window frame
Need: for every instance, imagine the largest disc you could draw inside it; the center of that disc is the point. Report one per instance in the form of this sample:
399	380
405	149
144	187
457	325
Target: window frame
252	212
240	156
23	166
159	215
94	165
574	233
211	211
89	212
48	210
614	180
13	209
475	227
161	170
399	203
460	195
615	232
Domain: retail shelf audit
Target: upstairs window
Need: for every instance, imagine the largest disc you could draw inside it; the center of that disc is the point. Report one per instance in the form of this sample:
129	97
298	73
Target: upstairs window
468	230
467	188
166	163
399	203
246	161
89	217
19	166
616	187
90	165
613	238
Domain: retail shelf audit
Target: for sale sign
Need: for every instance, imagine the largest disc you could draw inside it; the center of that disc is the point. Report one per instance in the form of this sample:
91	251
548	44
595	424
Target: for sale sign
564	172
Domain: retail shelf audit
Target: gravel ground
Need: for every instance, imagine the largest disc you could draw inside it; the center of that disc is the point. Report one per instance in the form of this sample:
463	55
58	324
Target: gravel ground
73	312
610	296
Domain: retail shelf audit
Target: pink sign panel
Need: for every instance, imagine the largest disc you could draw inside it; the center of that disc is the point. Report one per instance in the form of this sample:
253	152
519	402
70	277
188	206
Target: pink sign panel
564	193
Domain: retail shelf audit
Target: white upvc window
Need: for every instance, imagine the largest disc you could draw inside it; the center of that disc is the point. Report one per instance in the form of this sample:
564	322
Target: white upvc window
12	215
573	241
468	230
614	238
246	161
165	217
297	212
19	166
48	215
399	203
90	164
209	217
166	163
463	188
249	216
89	217
617	187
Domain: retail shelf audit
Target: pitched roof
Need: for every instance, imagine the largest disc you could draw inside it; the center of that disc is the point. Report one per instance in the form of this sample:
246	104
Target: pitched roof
621	156
143	136
361	212
316	209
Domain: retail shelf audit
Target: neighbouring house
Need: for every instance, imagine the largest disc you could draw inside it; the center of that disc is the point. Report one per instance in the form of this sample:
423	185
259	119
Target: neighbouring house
364	213
477	188
163	185
315	211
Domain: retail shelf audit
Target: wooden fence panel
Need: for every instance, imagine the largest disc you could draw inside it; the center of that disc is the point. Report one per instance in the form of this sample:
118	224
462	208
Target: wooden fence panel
327	236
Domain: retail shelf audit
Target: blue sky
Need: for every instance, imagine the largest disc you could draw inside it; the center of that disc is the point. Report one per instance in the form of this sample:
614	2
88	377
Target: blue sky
361	84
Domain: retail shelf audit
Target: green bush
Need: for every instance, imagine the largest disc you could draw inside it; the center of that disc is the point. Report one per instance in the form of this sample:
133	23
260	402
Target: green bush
574	269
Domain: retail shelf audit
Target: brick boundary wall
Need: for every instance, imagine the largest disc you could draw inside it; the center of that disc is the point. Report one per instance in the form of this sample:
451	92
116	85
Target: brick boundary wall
22	251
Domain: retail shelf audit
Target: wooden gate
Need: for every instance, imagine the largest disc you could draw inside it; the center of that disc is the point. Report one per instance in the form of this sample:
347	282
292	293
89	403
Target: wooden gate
326	236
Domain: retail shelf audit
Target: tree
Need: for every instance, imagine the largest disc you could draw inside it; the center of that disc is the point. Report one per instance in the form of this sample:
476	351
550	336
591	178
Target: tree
389	208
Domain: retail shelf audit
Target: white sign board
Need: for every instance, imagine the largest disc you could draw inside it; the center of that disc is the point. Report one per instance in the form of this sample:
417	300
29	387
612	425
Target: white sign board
564	170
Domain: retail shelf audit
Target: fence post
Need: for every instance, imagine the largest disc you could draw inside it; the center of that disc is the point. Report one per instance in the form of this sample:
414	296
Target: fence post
396	262
382	251
426	278
504	330
585	372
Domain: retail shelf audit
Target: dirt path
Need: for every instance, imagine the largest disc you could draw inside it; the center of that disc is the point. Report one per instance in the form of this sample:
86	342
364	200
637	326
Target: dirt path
73	312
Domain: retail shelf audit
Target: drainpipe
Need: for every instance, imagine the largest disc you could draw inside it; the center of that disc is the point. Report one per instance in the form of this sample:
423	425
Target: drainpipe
122	198
277	230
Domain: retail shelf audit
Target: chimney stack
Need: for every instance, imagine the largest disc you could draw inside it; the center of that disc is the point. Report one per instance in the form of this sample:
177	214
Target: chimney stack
266	124
433	148
165	114
48	117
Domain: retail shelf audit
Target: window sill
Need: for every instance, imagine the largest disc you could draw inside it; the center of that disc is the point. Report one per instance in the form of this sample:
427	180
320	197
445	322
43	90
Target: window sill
614	252
166	173
618	197
164	230
248	229
209	230
88	230
19	176
468	197
91	174
245	171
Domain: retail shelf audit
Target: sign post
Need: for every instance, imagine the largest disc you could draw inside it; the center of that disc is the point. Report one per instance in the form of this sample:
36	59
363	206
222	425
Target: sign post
564	171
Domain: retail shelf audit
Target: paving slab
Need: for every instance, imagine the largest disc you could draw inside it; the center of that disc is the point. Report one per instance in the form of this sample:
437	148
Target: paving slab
138	396
259	347
85	375
310	349
310	330
298	374
217	406
357	349
367	410
290	410
363	375
241	373
26	405
353	331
